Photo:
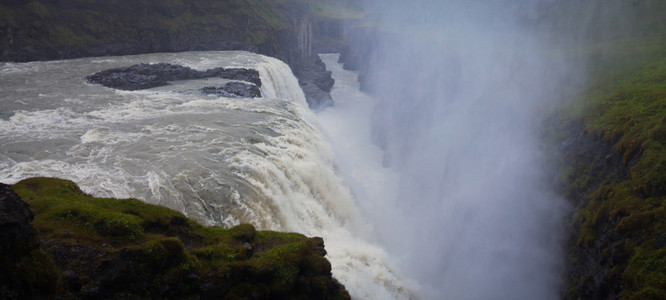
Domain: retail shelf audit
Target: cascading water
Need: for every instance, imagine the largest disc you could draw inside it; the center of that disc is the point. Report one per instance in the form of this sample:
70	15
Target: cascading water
221	161
461	89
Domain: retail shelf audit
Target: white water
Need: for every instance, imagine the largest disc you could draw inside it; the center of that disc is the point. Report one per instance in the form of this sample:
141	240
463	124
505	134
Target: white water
463	89
221	161
348	125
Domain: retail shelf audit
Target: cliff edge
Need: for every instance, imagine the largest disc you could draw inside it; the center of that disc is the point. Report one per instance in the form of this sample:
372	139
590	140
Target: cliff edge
63	243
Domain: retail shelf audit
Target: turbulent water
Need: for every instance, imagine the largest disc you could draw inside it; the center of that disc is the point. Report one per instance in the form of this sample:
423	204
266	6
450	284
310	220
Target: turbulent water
221	161
464	88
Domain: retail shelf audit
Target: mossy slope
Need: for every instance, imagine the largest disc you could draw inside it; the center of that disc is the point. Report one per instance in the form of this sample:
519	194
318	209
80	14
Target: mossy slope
110	248
614	165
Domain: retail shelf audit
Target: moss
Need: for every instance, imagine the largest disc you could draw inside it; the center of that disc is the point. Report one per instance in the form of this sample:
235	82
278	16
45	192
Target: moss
149	247
66	37
163	253
40	271
243	232
259	37
37	8
587	229
620	195
645	275
6	17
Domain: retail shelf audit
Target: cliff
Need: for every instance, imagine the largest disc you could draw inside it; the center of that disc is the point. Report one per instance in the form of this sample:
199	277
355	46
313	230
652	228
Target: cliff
614	172
52	29
611	140
63	243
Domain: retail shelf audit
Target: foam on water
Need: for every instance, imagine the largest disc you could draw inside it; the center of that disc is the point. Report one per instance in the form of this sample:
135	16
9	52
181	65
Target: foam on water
221	161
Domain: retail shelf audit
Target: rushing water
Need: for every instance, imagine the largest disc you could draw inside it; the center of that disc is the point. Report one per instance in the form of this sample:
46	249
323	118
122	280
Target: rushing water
220	161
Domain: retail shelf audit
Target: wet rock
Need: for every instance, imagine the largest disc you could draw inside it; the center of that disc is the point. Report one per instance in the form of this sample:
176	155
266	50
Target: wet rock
145	76
233	89
316	83
242	89
317	98
319	246
16	233
661	242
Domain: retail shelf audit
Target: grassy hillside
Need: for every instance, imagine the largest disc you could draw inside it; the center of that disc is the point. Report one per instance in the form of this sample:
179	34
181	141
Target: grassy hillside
64	25
615	158
109	248
70	28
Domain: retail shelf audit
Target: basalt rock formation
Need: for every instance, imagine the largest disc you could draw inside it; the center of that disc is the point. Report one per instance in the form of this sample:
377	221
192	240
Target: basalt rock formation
233	90
145	76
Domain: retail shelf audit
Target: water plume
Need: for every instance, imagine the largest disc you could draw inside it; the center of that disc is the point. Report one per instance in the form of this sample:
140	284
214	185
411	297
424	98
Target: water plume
462	88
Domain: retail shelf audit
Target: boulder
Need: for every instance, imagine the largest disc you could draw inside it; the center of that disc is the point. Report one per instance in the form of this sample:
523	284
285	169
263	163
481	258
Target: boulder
233	89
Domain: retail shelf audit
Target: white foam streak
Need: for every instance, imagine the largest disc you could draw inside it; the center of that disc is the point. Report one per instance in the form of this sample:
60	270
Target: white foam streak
221	161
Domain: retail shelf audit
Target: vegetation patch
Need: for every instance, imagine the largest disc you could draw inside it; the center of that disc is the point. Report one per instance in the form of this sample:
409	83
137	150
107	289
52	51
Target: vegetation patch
615	169
125	248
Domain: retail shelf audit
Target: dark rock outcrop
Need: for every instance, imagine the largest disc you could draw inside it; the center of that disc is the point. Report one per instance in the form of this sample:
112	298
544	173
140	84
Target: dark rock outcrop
15	217
26	272
145	76
233	89
316	84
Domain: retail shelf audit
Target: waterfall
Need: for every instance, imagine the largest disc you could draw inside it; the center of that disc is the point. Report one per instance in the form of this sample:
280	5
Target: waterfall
462	88
221	161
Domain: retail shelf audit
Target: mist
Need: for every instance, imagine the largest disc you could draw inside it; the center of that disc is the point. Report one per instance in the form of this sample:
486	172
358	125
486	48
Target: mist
462	89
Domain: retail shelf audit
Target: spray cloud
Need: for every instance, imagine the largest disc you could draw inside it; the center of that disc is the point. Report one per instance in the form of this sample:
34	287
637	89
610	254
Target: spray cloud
462	88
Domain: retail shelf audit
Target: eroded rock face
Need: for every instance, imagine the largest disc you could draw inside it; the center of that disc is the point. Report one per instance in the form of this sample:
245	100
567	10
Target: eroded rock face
316	83
592	271
145	76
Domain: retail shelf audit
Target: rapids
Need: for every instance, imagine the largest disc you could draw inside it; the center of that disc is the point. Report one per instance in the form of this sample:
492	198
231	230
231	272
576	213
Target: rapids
221	161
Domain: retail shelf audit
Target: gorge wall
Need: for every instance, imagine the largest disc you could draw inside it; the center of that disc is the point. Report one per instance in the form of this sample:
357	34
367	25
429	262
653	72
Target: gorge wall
47	30
609	135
